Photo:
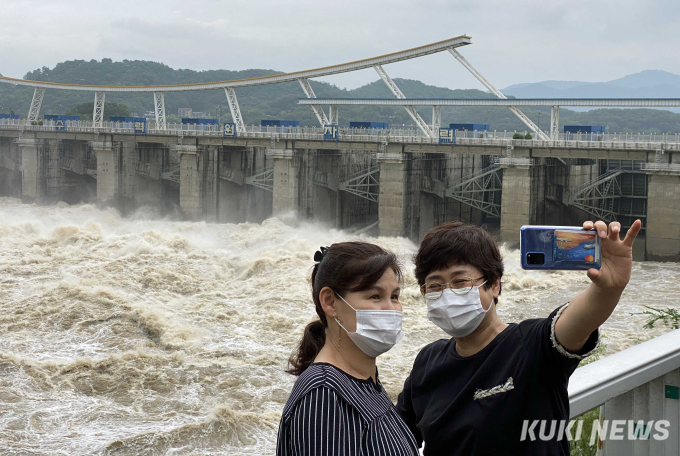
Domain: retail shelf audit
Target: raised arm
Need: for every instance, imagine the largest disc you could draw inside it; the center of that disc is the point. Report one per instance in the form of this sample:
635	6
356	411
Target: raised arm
588	310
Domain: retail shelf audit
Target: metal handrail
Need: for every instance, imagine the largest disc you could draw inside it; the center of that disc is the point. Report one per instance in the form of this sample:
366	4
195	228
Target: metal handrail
586	140
675	167
649	142
594	384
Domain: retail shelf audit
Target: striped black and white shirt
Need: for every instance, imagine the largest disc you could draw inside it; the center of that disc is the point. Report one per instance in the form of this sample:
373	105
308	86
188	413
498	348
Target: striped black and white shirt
331	413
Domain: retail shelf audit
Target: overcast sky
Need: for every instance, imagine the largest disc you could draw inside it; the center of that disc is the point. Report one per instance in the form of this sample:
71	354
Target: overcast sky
513	40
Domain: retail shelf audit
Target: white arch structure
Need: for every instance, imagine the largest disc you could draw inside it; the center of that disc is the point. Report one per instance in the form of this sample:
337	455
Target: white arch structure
302	77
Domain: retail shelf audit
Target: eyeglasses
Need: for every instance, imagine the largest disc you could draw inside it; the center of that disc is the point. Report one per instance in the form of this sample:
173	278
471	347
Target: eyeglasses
459	285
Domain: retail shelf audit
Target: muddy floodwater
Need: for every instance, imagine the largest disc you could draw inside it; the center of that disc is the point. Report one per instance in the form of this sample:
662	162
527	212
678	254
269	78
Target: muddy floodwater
131	336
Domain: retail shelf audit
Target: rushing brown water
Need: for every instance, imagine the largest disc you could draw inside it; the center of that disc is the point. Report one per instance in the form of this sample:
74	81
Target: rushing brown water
135	336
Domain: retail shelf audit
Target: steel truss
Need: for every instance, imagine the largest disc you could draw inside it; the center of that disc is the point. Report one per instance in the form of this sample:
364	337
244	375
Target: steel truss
479	190
34	111
436	119
318	111
499	94
98	112
365	185
597	197
410	109
235	110
263	179
333	115
555	123
159	104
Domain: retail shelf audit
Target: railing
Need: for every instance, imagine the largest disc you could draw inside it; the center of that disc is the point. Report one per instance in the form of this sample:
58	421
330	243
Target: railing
671	167
518	161
639	383
407	135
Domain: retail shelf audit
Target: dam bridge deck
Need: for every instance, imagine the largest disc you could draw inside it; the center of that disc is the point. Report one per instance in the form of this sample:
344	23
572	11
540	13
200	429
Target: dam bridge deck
625	146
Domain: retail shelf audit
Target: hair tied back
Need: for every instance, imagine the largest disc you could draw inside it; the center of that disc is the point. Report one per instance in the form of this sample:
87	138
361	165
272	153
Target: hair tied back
318	256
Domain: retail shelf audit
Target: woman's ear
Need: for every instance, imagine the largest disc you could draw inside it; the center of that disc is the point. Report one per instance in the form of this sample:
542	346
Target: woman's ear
496	288
327	300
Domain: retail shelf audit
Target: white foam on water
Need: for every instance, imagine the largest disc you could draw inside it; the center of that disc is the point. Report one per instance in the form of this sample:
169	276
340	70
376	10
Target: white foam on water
138	335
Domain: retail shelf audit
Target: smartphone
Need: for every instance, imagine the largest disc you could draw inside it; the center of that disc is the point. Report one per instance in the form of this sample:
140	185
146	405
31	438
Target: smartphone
559	247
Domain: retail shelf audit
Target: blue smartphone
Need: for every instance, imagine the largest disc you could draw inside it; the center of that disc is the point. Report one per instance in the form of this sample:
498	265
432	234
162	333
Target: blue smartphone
559	247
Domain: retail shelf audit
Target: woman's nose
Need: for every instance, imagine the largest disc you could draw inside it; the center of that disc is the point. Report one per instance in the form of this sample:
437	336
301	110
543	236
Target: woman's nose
389	304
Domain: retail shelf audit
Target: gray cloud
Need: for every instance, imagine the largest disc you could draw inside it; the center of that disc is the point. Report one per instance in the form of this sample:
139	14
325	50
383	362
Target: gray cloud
518	41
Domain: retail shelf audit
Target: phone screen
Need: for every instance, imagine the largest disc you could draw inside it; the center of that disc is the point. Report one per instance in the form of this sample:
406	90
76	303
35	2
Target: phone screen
575	246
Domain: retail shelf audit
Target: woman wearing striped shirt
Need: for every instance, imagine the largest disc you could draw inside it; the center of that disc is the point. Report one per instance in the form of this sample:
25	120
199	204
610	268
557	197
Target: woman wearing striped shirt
338	405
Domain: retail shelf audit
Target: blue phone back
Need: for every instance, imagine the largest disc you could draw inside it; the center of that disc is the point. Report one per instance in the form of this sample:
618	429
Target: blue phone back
563	247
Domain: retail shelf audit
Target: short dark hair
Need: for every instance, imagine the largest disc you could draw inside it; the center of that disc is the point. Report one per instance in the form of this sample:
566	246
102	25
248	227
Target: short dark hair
459	243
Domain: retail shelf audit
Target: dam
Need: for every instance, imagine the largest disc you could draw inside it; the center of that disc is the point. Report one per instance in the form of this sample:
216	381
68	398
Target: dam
396	183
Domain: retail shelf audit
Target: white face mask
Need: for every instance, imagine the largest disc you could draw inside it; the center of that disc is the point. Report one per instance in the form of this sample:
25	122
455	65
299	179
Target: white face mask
377	330
458	315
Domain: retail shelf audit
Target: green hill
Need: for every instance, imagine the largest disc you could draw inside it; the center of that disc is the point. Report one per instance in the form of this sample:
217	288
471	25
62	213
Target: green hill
279	101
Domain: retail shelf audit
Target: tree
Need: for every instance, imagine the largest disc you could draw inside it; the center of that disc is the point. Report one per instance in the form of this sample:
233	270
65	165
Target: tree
280	100
528	136
85	110
518	136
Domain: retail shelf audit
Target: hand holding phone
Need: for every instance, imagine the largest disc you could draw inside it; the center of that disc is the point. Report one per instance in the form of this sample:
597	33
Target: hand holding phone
617	254
559	247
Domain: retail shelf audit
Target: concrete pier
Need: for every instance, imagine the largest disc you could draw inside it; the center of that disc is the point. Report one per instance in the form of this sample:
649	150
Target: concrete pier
392	201
516	207
131	195
33	166
55	175
191	184
10	168
108	171
663	217
211	183
285	193
198	187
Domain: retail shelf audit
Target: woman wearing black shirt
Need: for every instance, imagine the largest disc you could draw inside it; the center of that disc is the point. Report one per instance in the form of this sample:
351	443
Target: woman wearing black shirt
495	388
338	405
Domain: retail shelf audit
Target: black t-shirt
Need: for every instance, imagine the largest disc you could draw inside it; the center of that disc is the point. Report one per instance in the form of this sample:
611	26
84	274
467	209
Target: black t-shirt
477	405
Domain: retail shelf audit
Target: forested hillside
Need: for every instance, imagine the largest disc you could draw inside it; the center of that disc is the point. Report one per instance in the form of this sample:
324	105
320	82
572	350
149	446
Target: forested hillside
279	101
